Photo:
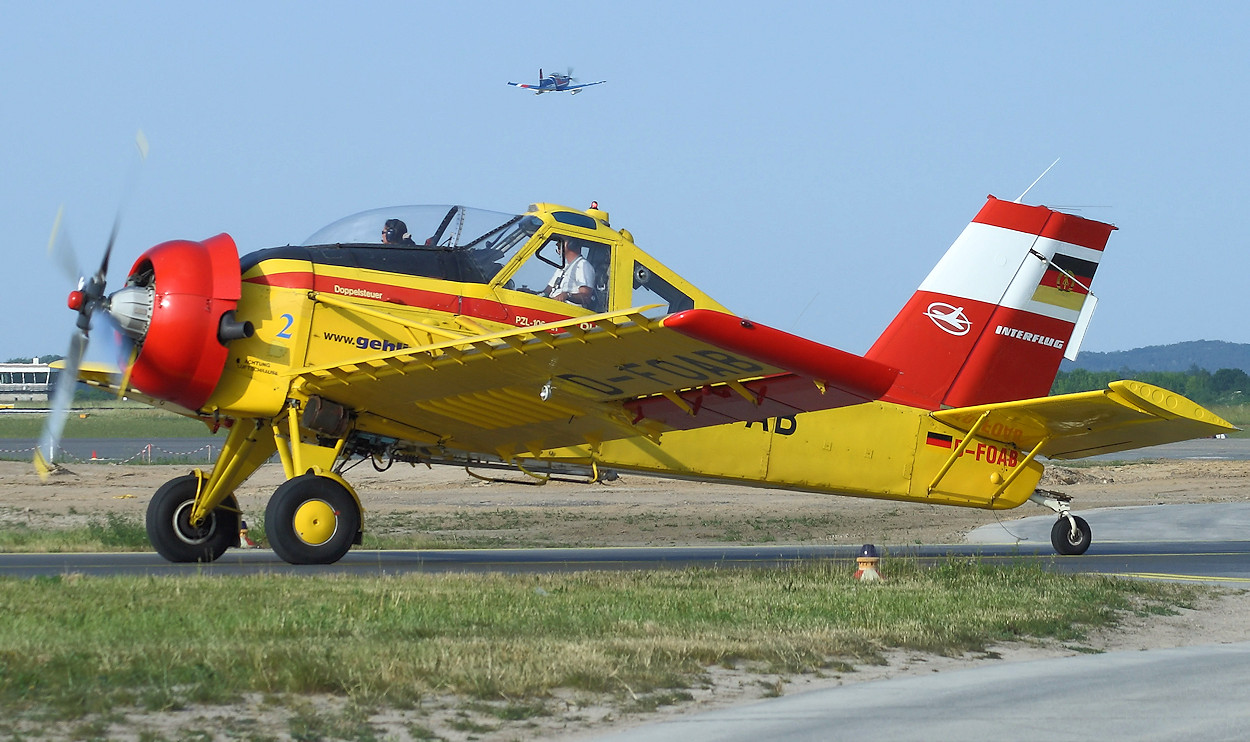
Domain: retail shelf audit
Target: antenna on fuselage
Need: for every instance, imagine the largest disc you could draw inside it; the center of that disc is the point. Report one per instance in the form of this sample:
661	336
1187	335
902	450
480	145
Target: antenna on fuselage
1043	175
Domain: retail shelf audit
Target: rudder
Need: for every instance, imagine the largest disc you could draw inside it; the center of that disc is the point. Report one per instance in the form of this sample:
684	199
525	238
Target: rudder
991	321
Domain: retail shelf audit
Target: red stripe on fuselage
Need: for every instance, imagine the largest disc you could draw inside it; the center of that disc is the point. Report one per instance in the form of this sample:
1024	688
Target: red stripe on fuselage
1041	221
292	280
440	301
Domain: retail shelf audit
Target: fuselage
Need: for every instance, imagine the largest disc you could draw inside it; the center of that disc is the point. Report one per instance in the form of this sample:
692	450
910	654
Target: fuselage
347	295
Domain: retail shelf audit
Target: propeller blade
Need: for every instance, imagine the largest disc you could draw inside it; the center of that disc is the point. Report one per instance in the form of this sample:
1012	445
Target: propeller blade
124	382
86	300
141	143
58	411
61	249
102	273
109	344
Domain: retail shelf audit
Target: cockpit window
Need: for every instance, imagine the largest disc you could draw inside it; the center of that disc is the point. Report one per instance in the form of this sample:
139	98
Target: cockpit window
428	226
490	252
553	271
652	289
479	241
575	219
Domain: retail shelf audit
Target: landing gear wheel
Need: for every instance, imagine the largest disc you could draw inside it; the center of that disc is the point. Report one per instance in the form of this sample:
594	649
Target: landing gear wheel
1065	541
177	539
312	520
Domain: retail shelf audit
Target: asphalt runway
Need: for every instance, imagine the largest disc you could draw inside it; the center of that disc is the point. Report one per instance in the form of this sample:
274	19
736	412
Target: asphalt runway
1223	562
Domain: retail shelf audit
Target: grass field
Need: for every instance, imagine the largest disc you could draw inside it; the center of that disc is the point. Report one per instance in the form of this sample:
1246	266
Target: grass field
116	420
82	650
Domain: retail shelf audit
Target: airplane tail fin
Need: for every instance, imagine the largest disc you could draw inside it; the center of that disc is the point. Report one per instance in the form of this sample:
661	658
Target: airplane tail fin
993	319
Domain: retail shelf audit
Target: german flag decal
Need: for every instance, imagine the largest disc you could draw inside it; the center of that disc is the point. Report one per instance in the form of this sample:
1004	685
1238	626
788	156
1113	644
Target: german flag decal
1064	282
939	440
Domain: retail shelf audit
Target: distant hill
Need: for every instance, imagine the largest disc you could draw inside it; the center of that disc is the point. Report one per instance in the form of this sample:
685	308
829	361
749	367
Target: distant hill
1211	355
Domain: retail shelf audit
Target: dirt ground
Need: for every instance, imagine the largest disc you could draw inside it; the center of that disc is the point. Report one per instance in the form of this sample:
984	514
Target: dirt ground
630	511
648	511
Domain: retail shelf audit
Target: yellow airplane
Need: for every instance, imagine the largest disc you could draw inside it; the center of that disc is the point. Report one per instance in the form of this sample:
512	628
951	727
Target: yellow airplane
548	342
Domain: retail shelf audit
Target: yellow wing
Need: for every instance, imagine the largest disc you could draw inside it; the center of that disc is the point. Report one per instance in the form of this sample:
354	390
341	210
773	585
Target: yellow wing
1126	415
105	376
590	379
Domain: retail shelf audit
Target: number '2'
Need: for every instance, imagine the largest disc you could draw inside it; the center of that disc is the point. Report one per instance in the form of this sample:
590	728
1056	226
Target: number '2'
285	332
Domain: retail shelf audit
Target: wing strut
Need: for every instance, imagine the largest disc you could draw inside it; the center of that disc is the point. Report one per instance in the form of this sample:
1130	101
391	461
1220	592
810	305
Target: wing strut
959	451
1016	471
1019	468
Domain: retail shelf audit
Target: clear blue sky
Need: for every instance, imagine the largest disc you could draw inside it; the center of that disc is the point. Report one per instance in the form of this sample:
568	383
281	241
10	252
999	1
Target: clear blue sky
806	164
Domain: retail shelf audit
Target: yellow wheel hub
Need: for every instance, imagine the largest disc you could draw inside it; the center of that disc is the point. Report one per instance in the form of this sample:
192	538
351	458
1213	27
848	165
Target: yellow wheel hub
316	522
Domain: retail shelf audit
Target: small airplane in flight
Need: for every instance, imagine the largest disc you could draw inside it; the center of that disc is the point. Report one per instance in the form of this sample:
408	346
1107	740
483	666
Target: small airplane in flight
555	83
549	344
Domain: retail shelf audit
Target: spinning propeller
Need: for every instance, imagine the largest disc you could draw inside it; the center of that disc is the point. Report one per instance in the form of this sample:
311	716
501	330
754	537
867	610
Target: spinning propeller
87	299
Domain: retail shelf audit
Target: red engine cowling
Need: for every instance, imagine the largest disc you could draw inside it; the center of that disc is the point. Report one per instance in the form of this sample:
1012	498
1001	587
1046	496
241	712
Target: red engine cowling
193	286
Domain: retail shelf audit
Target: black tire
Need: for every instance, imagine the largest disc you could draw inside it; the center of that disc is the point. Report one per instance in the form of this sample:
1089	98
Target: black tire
1064	542
312	520
171	532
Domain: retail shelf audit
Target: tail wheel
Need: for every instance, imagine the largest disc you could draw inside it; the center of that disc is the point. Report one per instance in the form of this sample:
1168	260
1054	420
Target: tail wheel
176	538
312	520
1070	538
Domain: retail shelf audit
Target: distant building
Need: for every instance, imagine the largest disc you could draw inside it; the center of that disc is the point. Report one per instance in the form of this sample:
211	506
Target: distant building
24	382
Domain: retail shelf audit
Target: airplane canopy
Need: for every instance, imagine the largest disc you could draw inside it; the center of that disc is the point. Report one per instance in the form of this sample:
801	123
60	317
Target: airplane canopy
443	226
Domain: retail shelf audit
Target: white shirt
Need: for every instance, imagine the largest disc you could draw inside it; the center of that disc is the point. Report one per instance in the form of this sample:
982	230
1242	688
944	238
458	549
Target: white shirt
572	277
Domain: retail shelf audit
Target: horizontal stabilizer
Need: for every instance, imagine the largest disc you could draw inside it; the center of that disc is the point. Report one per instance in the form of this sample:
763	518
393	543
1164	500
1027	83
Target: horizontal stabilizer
1125	416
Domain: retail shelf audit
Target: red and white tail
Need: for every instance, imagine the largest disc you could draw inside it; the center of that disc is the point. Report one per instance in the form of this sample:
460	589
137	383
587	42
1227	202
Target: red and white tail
993	319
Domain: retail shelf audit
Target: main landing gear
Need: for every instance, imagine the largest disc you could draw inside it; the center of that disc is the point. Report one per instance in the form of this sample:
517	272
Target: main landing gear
1070	535
312	518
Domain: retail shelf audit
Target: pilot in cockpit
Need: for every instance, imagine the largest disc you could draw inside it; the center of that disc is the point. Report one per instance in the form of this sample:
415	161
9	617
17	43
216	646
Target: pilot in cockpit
395	232
574	282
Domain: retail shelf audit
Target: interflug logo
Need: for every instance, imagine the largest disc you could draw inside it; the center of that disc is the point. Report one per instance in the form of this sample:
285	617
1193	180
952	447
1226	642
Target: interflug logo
949	319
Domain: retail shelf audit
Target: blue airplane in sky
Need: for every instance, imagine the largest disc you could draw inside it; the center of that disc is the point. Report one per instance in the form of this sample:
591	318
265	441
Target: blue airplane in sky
555	83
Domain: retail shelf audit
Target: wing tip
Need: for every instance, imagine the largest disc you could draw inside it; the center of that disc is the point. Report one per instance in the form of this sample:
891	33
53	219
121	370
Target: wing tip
1168	404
